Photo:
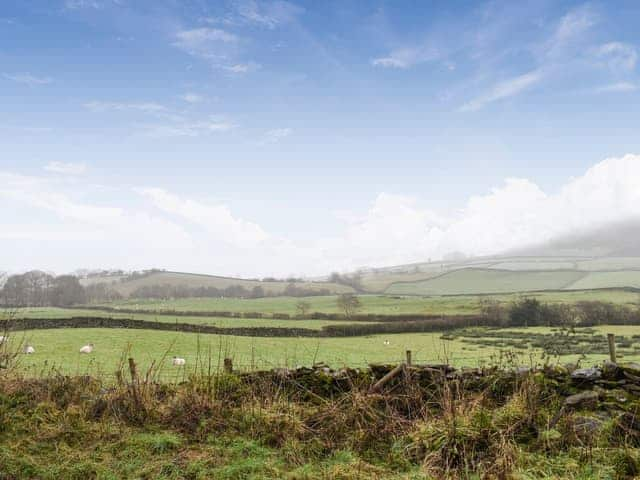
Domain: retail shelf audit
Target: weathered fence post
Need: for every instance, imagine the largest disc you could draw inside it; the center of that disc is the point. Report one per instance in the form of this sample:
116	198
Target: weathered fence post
228	365
134	380
408	358
384	380
612	347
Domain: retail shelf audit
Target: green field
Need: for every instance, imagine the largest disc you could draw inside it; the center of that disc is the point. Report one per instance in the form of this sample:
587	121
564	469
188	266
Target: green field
58	348
378	304
479	281
470	281
126	286
608	279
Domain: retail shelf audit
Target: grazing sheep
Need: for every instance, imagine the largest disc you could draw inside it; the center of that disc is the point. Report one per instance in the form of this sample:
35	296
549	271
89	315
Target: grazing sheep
28	349
87	348
179	362
2	339
386	342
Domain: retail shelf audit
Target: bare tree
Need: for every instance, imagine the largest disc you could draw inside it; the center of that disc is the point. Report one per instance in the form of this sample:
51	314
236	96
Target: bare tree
302	308
349	304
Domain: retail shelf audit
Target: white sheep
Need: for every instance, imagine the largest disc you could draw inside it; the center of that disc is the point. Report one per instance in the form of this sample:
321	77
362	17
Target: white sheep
87	348
2	339
179	362
28	349
386	342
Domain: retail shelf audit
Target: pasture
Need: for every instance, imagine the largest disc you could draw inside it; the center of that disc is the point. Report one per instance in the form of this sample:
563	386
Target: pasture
374	304
58	349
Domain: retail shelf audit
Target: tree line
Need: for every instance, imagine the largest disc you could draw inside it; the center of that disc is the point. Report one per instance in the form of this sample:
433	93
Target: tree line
40	289
167	291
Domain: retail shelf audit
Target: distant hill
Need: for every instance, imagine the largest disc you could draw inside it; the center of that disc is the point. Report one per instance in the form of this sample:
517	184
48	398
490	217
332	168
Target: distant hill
506	275
126	284
607	257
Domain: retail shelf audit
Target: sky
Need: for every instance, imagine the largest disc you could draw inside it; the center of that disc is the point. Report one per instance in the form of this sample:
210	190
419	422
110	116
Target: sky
258	138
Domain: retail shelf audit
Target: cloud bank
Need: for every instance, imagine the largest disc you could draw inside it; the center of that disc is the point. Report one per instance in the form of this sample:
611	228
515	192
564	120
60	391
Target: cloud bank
60	227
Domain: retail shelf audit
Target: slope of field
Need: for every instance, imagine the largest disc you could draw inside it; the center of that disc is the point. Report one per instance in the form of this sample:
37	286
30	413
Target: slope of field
476	281
625	278
534	265
375	282
193	280
610	263
389	279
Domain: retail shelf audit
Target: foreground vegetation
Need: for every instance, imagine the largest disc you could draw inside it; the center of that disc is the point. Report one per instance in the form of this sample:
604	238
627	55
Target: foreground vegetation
427	423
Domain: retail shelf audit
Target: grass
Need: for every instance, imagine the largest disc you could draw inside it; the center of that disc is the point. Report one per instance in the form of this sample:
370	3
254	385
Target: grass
379	304
192	280
476	281
313	426
608	279
58	348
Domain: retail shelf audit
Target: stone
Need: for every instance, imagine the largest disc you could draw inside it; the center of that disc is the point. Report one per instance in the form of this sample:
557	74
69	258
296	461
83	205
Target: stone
632	368
586	374
611	371
587	427
586	399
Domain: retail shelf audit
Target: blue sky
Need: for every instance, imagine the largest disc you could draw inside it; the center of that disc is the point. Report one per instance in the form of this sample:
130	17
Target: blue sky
301	137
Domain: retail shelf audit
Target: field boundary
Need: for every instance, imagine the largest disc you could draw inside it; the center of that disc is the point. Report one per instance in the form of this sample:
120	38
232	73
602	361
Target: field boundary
361	317
327	331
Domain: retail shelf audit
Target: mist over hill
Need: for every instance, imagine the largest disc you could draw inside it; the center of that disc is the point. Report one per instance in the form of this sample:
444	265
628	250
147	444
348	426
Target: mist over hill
619	239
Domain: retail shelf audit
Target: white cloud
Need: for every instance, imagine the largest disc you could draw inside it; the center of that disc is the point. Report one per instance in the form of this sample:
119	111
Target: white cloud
80	4
66	168
38	192
188	129
208	43
617	55
156	227
217	220
505	89
146	107
192	98
554	54
66	229
619	87
28	79
241	68
268	14
277	134
407	57
516	214
574	23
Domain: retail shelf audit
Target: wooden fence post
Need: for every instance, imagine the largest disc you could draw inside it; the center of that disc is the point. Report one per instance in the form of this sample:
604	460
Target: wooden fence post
134	380
384	380
612	347
228	365
408	358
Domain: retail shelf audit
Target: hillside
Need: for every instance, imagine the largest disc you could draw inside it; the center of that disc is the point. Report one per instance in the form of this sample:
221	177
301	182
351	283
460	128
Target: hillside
125	285
503	274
